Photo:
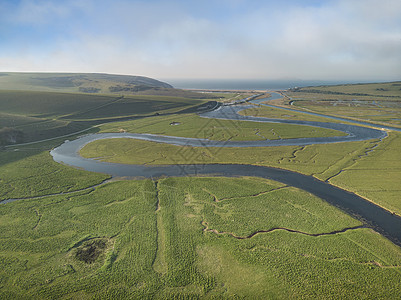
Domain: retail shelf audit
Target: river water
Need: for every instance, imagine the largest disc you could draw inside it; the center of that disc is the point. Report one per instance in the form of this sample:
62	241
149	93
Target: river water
374	216
278	96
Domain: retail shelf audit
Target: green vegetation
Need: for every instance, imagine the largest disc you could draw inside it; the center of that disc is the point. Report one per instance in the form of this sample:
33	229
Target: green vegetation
10	135
144	239
45	249
234	210
277	113
191	125
376	175
75	236
385	90
31	172
129	106
378	102
369	168
92	83
231	96
50	105
311	160
77	82
41	115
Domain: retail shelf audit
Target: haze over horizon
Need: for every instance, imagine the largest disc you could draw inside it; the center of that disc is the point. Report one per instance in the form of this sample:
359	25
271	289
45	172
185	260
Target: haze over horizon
222	39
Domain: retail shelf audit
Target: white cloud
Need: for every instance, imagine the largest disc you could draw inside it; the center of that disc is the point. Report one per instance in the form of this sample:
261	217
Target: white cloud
351	39
40	12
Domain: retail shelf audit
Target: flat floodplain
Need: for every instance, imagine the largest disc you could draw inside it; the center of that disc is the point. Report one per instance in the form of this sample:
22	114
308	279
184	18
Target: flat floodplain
376	175
370	169
277	113
73	234
378	102
194	126
176	237
29	171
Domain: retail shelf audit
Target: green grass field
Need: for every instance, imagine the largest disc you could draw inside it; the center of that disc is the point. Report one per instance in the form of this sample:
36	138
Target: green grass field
375	175
277	113
316	159
75	236
78	82
42	115
378	103
30	171
390	89
191	125
141	239
370	169
95	83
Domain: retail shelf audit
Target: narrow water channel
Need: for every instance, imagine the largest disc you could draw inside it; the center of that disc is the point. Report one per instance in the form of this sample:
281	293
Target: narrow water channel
372	215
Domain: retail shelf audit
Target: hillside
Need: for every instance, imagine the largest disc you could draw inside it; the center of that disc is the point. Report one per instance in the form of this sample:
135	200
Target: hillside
27	116
79	82
93	83
37	106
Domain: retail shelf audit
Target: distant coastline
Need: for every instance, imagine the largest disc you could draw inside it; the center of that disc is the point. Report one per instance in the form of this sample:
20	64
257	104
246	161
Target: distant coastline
246	84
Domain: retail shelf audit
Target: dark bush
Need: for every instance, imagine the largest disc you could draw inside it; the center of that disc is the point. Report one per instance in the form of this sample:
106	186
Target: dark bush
10	136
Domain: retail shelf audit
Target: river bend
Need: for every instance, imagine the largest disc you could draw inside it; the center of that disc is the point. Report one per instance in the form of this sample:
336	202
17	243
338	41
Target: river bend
374	216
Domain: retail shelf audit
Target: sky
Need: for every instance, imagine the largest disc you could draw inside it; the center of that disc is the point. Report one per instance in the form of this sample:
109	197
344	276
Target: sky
205	39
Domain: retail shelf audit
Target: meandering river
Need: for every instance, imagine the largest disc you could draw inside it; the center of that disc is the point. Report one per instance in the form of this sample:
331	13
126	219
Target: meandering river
374	216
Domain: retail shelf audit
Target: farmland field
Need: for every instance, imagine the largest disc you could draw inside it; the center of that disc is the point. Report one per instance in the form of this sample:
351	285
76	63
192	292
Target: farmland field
73	234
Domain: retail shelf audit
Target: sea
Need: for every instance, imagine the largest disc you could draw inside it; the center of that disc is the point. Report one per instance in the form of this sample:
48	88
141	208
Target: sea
246	84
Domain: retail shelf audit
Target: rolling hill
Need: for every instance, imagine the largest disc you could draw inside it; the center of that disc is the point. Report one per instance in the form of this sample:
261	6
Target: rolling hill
37	106
79	82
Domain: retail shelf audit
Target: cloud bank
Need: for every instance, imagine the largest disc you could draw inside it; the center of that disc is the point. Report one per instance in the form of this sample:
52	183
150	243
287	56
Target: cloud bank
330	40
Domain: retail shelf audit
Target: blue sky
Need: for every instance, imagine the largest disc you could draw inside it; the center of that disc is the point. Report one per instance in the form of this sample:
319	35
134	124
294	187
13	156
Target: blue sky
239	39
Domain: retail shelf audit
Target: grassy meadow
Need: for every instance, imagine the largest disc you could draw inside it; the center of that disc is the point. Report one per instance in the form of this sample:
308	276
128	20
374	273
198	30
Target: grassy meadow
353	166
385	90
78	82
341	164
30	171
376	175
378	102
175	238
191	125
38	115
311	160
277	113
95	84
80	235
